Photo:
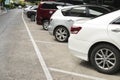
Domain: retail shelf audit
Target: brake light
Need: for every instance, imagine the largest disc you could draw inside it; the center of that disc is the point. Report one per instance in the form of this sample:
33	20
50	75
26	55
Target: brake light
75	30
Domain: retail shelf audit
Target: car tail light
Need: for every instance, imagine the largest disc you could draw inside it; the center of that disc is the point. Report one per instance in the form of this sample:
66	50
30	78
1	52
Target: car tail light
75	30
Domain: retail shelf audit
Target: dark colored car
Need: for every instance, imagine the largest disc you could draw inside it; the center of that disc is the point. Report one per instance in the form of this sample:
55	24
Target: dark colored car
32	13
45	10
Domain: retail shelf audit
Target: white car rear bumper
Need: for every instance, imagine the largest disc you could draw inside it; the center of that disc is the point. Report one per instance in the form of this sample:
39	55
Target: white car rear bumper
78	48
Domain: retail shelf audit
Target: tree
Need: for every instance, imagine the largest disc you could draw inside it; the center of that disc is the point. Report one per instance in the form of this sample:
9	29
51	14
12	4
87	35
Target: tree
2	2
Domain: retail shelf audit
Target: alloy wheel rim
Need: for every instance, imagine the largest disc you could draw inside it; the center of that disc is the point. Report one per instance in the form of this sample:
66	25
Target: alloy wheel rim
61	34
105	59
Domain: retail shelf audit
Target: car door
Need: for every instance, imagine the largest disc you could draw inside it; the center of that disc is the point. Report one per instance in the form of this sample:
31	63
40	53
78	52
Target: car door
114	31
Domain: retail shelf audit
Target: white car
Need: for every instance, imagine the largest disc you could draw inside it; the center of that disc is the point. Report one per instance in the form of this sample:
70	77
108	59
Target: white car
27	9
62	20
19	7
98	41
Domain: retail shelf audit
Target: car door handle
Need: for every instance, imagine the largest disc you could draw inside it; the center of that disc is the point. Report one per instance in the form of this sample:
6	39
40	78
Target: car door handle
116	30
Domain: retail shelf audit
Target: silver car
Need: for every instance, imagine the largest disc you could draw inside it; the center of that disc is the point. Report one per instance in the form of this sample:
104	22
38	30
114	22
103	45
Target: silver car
62	20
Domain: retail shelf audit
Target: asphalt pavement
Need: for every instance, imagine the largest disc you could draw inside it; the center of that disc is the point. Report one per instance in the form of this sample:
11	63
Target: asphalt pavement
27	52
18	60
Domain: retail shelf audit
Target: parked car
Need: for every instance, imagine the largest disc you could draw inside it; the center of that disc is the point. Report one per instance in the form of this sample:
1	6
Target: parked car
62	20
45	10
25	10
32	13
98	41
19	7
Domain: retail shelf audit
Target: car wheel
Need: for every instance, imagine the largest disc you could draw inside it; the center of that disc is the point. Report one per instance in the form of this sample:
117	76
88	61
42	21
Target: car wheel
61	34
45	24
32	18
105	58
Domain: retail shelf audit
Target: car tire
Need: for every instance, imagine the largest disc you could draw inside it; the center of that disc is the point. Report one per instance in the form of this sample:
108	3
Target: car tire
45	24
105	58
32	18
61	34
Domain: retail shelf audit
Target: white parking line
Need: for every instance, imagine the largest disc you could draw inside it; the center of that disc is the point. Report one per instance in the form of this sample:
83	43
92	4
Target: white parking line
76	74
40	30
33	30
41	60
50	42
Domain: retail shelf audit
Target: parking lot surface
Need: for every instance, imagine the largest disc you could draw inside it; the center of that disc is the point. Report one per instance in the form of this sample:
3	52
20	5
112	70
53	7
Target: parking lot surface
60	63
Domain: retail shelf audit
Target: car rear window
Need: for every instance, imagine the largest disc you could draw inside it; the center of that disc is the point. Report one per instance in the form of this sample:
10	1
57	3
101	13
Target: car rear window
54	5
65	12
49	6
76	12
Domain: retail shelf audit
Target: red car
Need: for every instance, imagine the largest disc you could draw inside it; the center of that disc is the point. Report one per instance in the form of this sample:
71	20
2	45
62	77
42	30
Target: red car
45	10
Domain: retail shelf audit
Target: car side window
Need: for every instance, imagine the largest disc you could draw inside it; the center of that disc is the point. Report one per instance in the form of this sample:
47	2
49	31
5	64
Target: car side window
66	12
78	12
59	4
96	11
35	9
116	21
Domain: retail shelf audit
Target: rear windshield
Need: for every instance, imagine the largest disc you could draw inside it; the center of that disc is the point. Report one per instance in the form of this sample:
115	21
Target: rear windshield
53	5
49	6
89	11
76	12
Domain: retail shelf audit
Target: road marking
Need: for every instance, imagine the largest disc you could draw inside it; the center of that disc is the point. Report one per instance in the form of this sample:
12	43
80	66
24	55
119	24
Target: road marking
50	42
40	30
33	30
41	60
76	74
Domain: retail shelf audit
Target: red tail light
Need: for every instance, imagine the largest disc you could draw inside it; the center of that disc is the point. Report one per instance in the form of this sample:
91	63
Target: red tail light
75	30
